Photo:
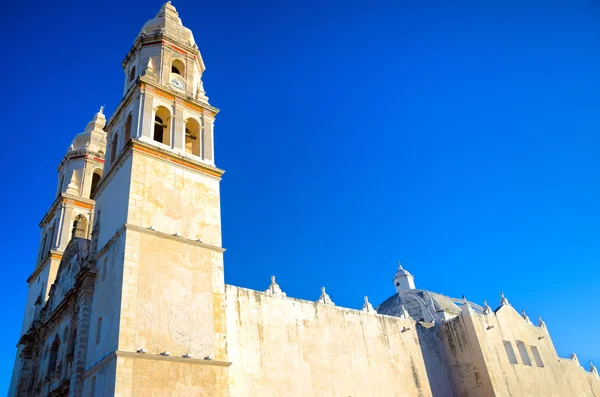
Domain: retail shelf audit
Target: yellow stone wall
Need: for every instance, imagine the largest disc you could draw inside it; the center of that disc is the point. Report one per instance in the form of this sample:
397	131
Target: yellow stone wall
165	268
174	198
479	362
163	378
291	347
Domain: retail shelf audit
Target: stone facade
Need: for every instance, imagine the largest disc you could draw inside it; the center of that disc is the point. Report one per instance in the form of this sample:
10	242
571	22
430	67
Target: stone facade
137	304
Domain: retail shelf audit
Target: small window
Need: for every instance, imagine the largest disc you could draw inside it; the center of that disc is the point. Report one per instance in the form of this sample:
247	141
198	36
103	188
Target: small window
536	356
127	132
113	147
79	227
95	181
93	387
132	75
53	355
193	133
98	330
104	268
512	358
523	353
162	120
177	67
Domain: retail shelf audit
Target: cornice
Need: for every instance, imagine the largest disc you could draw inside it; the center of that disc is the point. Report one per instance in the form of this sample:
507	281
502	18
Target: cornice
159	39
50	255
175	158
185	99
149	356
175	238
82	153
67	199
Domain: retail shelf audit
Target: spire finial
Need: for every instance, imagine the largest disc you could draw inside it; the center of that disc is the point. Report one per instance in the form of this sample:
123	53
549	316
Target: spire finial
367	307
486	308
324	298
593	368
541	322
574	357
101	111
503	300
274	289
399	265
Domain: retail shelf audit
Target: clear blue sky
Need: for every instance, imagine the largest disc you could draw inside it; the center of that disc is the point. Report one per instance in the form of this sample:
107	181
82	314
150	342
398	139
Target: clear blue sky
460	137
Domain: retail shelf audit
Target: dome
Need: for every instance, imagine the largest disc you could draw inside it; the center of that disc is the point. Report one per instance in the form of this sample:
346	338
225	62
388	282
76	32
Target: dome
421	305
93	138
168	23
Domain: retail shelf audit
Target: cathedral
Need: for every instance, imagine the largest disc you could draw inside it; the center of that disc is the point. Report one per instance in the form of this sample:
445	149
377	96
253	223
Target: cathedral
127	296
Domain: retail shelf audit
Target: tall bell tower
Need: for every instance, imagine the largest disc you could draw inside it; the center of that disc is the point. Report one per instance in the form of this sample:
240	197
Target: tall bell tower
158	308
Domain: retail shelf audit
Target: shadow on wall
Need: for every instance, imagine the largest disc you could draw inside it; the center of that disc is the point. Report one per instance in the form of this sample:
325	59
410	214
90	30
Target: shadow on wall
434	359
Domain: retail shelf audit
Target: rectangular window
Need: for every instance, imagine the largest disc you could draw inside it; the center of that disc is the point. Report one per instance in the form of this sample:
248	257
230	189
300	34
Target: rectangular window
98	330
93	387
536	356
523	353
104	268
512	358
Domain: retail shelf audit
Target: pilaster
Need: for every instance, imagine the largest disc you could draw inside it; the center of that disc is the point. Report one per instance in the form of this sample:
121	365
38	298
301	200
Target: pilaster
207	146
178	126
148	114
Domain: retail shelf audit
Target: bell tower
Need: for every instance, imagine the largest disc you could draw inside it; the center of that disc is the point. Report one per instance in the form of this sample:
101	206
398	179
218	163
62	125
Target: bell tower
70	215
159	305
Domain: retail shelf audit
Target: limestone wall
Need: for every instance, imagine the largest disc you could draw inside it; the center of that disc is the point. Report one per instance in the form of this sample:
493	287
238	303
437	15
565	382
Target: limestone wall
112	200
173	199
291	347
501	354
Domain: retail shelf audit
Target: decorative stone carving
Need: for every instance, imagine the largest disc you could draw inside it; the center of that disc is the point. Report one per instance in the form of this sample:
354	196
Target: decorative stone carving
486	308
324	299
541	323
574	357
593	369
73	187
367	307
525	317
503	300
274	289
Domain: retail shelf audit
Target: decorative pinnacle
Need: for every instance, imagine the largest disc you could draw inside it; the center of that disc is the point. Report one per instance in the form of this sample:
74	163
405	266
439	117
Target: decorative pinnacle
574	357
324	298
400	265
367	307
542	323
525	317
274	289
101	111
503	300
486	308
593	368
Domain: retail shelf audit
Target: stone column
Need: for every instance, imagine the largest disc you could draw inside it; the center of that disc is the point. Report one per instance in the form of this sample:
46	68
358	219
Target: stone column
148	114
208	149
66	226
178	126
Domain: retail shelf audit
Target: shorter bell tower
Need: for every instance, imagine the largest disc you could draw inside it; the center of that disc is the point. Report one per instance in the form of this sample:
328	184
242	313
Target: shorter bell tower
70	215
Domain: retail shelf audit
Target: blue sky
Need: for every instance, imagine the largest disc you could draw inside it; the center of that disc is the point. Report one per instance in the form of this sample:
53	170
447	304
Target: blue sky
459	137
